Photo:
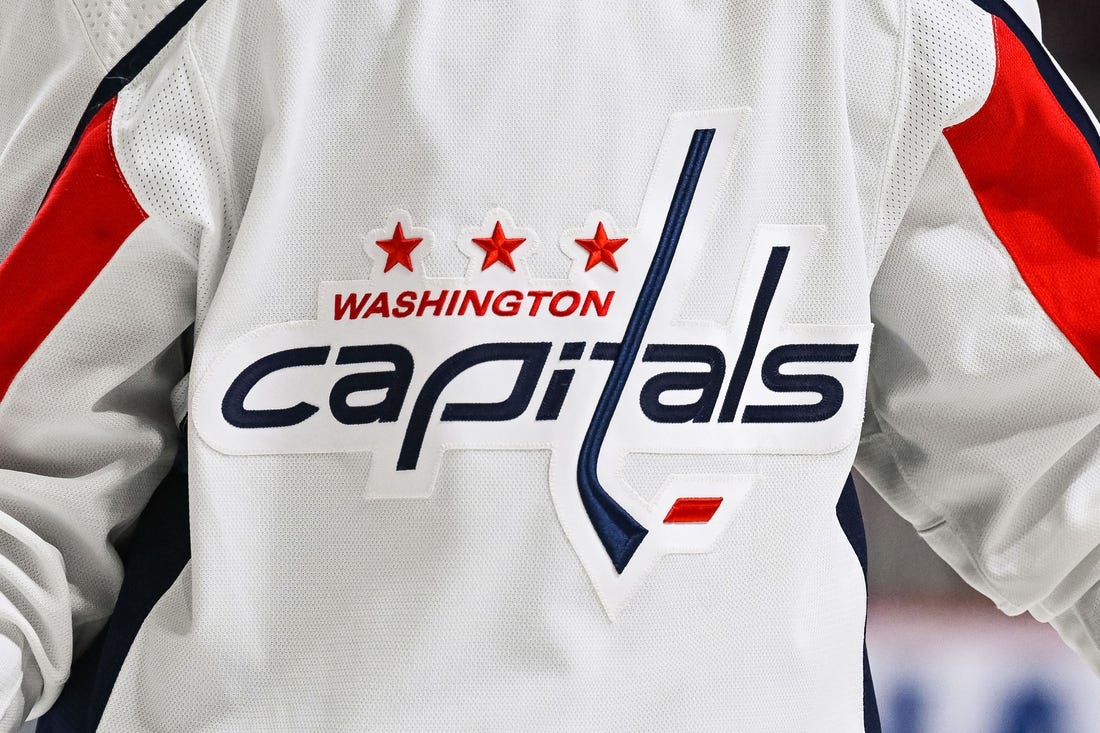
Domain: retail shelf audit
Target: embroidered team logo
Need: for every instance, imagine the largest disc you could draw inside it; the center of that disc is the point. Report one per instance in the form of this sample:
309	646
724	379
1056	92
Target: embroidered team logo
595	367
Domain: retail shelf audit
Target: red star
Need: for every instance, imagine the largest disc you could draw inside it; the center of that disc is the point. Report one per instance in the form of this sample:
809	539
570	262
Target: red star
498	248
601	249
399	249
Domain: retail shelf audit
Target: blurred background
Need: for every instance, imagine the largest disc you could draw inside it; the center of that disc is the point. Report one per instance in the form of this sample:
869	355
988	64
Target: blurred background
943	658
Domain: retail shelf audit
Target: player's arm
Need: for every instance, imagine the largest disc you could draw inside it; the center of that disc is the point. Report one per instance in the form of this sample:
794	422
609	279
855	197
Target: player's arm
94	298
48	70
984	400
53	56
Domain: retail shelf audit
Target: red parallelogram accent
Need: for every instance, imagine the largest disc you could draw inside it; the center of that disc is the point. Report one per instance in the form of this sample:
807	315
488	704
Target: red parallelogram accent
693	510
88	214
1038	183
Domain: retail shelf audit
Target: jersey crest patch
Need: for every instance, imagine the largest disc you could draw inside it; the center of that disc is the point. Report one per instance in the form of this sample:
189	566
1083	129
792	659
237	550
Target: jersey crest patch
593	368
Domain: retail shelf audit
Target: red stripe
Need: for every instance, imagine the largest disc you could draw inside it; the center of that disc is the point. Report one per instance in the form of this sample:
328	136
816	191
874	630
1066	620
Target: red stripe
88	214
1038	183
689	510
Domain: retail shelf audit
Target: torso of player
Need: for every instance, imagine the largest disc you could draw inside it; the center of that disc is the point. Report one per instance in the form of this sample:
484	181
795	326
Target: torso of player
542	358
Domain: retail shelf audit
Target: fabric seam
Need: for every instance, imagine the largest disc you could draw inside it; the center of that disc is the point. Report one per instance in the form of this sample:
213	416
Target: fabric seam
208	103
116	165
905	48
979	104
1072	338
88	37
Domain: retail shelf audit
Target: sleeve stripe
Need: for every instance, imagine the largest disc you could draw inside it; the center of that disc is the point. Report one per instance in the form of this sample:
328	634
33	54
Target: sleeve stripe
85	219
1036	177
132	64
1055	81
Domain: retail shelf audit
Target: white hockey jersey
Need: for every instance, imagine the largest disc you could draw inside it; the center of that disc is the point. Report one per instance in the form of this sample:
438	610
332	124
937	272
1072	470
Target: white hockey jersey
53	55
531	348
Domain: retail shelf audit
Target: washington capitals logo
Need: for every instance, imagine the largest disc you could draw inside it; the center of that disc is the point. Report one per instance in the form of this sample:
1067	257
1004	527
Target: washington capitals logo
621	533
597	366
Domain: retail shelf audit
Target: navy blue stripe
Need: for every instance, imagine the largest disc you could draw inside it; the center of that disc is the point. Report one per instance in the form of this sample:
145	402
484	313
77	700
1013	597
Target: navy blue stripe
773	271
153	559
161	543
1043	62
619	532
132	64
851	521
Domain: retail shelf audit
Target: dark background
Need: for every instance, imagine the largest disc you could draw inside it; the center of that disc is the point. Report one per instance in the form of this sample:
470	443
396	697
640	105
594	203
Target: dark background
1071	30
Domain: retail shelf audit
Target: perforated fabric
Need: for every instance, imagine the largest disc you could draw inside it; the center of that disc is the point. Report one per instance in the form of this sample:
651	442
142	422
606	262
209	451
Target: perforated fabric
986	415
474	606
114	26
175	122
353	574
181	131
948	73
47	73
476	622
53	54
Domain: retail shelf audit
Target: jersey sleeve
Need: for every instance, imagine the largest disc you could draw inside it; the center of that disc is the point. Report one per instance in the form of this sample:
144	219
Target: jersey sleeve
983	423
95	297
48	71
53	56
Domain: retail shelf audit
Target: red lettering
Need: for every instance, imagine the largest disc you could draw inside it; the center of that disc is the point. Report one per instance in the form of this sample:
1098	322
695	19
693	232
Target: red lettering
592	300
405	304
449	302
470	300
454	302
510	308
427	302
380	306
555	303
538	295
341	307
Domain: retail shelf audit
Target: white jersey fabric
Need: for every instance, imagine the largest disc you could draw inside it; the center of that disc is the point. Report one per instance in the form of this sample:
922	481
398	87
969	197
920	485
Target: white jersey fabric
1028	10
533	347
52	56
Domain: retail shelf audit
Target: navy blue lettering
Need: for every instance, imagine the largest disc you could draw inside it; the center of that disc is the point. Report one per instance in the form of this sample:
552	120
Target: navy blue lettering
605	351
532	358
768	284
572	350
395	381
239	416
554	398
828	388
709	383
